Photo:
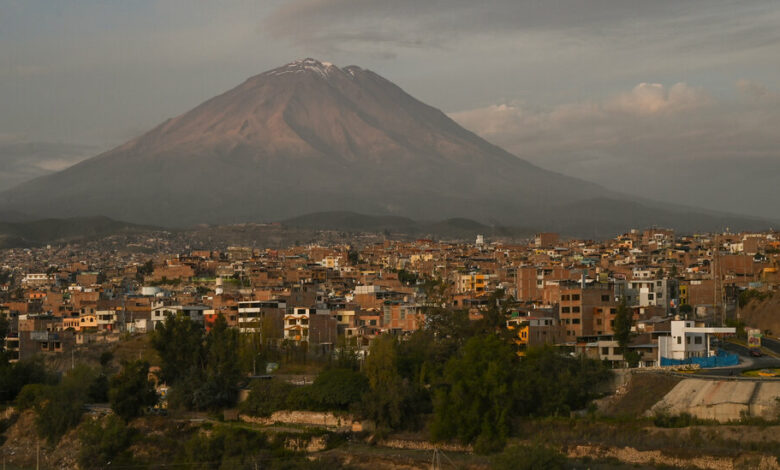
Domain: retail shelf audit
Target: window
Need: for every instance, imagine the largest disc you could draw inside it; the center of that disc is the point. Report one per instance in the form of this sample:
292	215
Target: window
687	340
576	321
575	309
575	297
598	321
565	309
679	340
697	340
605	351
565	297
605	298
612	311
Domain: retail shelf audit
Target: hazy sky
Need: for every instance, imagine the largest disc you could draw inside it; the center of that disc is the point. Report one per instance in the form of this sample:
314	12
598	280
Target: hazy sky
674	100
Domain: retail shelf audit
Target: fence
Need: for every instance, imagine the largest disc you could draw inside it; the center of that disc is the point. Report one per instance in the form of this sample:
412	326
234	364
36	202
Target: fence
722	359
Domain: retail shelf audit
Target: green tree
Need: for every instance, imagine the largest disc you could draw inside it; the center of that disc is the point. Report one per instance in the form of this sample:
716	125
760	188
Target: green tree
226	448
554	384
622	328
59	407
265	397
131	391
14	376
353	256
385	399
495	316
223	370
338	389
180	343
105	444
4	325
477	402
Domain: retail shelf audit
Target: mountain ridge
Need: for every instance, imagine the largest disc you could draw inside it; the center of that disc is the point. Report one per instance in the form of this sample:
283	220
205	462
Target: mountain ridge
302	138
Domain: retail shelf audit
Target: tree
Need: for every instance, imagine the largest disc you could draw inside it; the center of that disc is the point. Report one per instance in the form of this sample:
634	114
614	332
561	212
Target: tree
222	367
3	334
338	389
131	391
554	384
494	317
622	328
265	397
203	370
59	407
14	376
686	309
384	401
476	405
353	256
179	342
105	443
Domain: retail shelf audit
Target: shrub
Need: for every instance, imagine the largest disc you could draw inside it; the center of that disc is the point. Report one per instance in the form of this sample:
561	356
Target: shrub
665	420
131	391
337	389
528	458
30	395
57	410
105	442
265	397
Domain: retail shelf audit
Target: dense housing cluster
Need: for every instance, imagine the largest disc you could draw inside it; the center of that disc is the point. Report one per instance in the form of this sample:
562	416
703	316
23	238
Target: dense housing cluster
565	292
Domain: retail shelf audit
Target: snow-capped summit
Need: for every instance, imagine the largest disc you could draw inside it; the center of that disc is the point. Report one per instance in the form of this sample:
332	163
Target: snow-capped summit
306	65
288	142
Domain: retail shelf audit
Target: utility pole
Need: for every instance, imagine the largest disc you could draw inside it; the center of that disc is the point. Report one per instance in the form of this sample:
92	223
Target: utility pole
37	454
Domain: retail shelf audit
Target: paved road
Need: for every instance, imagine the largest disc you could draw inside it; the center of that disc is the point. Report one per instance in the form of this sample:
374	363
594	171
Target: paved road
771	344
746	362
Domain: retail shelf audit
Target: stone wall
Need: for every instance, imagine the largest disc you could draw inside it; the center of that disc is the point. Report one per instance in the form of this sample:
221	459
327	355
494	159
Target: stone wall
306	418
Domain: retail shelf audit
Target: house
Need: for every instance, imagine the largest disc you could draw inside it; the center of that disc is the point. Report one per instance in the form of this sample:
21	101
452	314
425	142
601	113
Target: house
689	340
311	325
253	314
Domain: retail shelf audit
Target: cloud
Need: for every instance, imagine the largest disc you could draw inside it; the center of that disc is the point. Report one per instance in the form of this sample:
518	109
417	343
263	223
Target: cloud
758	92
22	160
359	24
654	98
676	143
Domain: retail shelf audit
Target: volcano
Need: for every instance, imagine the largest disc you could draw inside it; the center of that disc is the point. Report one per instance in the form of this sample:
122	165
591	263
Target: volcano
312	137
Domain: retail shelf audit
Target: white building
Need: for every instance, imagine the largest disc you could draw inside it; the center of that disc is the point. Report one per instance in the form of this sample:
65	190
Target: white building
688	340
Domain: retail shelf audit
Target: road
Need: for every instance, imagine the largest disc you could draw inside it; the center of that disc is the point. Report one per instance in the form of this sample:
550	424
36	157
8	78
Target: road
746	361
771	344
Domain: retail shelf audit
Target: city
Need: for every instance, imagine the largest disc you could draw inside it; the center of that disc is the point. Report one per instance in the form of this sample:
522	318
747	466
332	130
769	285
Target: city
389	235
649	301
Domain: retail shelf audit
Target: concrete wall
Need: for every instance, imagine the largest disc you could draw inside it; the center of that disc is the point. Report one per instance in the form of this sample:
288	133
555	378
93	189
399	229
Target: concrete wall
722	400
